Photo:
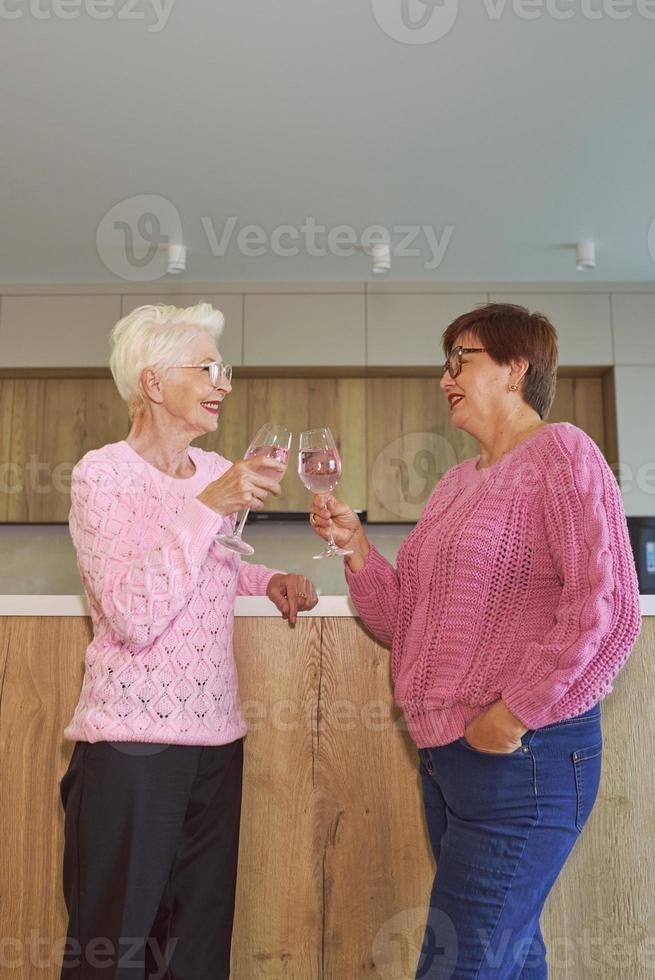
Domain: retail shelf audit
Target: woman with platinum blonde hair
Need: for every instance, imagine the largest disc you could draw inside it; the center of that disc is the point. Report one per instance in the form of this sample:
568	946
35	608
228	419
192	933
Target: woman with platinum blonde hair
152	794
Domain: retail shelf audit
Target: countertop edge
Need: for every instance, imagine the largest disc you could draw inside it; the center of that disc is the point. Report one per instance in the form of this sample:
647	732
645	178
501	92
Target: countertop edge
75	605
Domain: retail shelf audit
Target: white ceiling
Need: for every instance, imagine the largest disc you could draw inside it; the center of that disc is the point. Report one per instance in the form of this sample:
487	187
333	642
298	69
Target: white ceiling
521	135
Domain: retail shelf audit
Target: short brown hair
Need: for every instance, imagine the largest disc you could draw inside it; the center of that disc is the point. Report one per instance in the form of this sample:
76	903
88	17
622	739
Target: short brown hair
507	331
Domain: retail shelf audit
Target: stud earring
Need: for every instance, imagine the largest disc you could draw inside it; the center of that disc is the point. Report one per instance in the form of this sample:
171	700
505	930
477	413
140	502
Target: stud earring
513	388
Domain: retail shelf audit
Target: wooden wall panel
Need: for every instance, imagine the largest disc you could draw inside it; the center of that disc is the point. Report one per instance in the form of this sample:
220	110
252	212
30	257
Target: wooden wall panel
377	859
279	914
55	422
232	437
303	403
42	677
582	402
394	434
335	867
411	444
7	387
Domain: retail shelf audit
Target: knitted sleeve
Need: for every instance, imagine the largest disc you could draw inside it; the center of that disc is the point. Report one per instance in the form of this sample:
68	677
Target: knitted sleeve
254	579
139	592
598	617
375	591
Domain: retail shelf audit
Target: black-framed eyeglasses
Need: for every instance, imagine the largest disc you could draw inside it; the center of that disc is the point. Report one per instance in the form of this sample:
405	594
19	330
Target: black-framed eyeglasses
218	371
453	363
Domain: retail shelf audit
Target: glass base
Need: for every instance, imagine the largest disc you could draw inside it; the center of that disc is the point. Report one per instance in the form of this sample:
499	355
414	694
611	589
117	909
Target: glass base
234	542
333	552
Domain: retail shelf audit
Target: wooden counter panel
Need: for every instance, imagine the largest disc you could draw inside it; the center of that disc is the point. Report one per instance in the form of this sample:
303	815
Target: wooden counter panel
335	868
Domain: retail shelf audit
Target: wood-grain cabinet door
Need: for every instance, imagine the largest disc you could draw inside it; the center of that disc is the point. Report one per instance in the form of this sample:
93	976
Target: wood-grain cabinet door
54	422
411	442
394	435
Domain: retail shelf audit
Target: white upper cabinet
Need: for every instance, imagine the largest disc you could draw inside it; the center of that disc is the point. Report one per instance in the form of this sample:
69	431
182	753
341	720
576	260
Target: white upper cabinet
56	331
582	320
404	329
295	330
230	305
633	321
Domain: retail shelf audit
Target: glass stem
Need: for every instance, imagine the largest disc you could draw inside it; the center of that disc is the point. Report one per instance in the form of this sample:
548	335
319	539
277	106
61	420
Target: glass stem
330	540
242	522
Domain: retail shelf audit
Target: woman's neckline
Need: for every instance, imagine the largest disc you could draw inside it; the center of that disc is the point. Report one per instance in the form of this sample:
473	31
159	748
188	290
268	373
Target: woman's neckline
510	452
155	469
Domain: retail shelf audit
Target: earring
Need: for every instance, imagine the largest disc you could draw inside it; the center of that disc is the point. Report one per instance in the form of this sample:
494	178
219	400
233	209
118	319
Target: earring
513	388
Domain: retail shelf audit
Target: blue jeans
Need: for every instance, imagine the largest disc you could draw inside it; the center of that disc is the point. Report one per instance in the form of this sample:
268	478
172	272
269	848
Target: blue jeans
501	827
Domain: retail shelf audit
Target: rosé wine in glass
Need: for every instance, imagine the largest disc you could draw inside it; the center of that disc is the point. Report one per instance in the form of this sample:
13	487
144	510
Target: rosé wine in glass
271	442
319	468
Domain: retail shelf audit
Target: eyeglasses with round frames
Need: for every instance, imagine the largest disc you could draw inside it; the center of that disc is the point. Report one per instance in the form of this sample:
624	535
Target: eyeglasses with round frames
453	363
217	371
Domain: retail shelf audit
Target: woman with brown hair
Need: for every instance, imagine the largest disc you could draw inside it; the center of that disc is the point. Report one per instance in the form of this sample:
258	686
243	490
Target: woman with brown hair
512	607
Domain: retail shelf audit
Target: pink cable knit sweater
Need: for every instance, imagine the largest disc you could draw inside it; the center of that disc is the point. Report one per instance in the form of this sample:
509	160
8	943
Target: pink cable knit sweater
161	595
518	582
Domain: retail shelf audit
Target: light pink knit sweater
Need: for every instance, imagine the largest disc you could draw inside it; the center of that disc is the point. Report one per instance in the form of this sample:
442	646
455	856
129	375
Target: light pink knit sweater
518	582
161	595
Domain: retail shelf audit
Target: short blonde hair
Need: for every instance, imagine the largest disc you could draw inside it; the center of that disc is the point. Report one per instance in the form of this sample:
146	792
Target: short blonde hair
156	336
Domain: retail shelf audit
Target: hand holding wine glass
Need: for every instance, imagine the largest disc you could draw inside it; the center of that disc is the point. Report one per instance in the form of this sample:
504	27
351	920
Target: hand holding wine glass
319	468
267	456
331	515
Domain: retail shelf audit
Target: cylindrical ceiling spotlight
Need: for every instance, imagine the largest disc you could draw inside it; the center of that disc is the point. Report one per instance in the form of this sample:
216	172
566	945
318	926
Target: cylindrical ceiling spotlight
585	256
176	259
381	257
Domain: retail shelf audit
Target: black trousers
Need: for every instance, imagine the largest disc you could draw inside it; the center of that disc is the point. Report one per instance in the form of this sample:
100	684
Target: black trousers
151	837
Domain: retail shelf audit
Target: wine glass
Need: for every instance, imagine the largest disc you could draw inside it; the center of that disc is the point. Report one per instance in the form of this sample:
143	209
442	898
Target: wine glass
271	442
319	468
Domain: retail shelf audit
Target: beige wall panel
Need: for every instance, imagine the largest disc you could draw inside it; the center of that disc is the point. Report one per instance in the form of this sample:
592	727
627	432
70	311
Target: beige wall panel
633	322
405	329
230	305
333	843
582	321
56	331
304	330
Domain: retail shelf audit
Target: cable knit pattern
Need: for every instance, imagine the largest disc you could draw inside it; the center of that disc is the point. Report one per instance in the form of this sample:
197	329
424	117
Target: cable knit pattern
161	595
518	582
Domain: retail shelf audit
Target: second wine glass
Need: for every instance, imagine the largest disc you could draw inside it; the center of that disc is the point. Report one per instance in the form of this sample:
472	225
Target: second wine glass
319	468
271	442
